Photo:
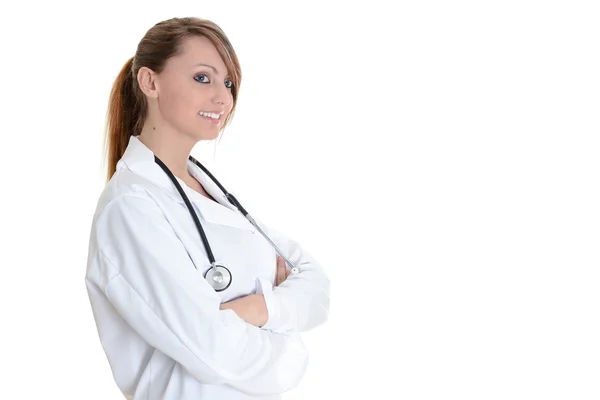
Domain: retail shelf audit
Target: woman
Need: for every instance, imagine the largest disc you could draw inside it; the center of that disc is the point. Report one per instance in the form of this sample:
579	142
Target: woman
173	324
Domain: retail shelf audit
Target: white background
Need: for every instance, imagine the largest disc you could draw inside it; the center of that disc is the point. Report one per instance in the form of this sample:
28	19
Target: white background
439	158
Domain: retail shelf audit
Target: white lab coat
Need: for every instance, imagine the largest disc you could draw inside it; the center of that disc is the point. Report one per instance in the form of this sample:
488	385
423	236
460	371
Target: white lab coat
159	321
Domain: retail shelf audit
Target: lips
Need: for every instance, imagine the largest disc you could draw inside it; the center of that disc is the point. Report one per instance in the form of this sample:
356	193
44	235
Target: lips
211	120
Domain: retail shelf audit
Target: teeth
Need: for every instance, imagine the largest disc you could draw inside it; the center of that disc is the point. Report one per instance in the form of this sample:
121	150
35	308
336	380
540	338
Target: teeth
210	115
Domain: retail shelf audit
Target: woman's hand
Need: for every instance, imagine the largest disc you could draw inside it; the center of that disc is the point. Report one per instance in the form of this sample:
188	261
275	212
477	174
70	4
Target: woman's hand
282	271
251	308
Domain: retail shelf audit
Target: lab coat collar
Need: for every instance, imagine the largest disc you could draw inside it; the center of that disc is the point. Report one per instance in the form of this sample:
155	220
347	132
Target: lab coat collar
140	160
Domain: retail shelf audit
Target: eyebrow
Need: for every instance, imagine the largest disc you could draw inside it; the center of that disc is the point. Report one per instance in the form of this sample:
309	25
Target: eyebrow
207	65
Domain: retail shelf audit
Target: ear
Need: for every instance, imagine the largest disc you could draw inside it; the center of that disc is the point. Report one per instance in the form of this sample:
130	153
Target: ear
147	82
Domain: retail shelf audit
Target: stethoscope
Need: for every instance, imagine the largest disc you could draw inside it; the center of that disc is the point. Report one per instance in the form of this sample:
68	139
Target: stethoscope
218	276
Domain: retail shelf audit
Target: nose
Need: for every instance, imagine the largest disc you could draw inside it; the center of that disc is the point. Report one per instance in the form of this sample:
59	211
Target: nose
223	96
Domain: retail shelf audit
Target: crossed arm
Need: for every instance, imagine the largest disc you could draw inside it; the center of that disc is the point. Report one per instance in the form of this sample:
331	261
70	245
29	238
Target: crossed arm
253	308
296	302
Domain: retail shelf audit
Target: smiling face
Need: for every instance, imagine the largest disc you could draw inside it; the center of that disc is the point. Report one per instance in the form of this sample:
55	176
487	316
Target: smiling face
193	92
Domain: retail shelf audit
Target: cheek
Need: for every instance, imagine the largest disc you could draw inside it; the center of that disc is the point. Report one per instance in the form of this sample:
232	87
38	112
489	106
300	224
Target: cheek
179	102
229	106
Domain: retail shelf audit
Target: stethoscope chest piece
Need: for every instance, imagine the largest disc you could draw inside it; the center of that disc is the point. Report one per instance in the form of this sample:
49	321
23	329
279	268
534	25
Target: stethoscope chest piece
218	277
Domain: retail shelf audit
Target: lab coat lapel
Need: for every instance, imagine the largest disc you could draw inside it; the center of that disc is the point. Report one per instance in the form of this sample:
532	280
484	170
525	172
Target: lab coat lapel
224	212
209	185
140	159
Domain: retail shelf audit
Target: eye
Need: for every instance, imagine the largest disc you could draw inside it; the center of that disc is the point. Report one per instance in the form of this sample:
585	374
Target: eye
229	83
201	75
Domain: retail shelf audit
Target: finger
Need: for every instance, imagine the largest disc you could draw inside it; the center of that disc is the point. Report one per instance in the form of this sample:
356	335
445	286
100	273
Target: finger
286	270
283	269
280	271
276	271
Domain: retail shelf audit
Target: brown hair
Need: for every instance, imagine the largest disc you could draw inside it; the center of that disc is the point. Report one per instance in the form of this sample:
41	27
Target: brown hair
127	106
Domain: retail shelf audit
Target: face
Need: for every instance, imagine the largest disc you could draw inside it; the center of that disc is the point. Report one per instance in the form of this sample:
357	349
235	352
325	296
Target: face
193	92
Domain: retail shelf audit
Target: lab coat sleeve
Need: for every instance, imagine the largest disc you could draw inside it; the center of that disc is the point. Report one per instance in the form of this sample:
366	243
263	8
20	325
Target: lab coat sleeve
143	269
301	302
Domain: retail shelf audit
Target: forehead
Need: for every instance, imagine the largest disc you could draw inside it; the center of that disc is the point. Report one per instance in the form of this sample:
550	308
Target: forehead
199	50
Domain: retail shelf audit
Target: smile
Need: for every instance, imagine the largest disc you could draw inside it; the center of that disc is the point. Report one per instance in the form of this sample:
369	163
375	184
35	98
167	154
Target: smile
214	118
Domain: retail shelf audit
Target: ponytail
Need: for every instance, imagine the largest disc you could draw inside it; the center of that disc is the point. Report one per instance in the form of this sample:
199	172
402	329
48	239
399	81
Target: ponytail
124	117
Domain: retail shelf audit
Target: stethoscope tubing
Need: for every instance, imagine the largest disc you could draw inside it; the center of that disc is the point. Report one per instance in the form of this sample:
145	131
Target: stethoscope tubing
231	198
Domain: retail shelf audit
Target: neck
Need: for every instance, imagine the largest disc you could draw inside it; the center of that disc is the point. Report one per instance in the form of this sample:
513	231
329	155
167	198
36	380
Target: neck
171	148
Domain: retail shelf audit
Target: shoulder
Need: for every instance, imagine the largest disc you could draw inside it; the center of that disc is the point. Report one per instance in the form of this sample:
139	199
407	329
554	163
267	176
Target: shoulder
125	193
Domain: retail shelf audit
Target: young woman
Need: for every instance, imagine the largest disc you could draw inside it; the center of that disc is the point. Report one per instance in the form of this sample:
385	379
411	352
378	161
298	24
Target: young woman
190	296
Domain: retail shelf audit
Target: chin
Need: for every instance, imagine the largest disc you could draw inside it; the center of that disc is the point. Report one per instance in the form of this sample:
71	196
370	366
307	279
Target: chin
206	135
